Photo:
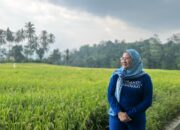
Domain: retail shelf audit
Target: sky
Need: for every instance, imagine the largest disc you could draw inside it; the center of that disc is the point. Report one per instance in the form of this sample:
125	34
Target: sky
78	22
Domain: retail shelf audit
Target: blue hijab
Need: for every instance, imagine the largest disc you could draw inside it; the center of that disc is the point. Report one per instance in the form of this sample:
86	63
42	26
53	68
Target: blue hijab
135	71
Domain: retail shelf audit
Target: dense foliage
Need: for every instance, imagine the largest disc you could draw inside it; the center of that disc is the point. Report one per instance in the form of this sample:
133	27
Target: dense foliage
40	96
107	54
25	45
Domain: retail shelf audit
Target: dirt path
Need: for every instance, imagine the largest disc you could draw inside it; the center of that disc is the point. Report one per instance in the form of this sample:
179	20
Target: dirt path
174	125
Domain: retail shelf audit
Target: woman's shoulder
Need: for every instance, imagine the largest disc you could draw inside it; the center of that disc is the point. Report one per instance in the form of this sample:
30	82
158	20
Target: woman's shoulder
146	77
143	76
114	74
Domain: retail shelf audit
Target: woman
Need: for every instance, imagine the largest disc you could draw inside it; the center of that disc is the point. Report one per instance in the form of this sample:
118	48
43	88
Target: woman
129	94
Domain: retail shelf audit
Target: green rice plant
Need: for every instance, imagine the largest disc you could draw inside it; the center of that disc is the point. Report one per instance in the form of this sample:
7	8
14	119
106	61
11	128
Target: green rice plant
44	97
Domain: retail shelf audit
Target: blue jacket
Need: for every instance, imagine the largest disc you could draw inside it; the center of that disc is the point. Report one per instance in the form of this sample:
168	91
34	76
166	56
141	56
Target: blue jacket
136	96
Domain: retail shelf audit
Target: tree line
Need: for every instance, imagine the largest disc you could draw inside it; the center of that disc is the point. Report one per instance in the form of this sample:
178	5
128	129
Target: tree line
154	53
20	46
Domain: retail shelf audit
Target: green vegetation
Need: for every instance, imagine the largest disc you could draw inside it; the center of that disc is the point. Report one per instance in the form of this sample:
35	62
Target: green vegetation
25	45
40	96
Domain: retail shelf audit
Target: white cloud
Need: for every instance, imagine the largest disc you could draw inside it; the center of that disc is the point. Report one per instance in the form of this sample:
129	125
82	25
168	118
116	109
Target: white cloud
72	28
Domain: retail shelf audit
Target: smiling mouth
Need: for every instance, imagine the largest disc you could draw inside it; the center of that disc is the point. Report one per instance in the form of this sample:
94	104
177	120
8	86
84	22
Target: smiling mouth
124	63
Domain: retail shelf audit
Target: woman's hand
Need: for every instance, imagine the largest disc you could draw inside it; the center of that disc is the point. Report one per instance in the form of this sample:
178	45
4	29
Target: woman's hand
124	117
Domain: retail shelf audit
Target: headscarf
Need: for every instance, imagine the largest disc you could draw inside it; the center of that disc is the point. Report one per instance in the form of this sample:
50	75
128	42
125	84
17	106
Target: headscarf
135	71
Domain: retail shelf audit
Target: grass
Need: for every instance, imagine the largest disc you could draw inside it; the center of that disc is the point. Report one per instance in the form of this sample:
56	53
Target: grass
41	96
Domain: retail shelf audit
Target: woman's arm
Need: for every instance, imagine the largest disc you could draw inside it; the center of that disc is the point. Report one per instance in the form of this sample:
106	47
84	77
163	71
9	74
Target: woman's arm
111	95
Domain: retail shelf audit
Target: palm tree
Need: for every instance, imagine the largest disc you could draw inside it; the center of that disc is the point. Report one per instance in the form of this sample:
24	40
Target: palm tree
10	39
2	41
51	38
45	39
67	56
2	37
30	35
20	36
30	30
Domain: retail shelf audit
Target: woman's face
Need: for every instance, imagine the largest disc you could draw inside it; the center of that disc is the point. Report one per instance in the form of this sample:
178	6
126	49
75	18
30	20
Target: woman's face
126	60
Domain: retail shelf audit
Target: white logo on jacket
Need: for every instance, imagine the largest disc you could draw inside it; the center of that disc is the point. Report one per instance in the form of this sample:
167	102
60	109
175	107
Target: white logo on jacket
132	84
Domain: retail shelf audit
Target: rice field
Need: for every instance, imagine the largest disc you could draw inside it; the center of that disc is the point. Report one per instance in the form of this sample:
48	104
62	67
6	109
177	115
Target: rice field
50	97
